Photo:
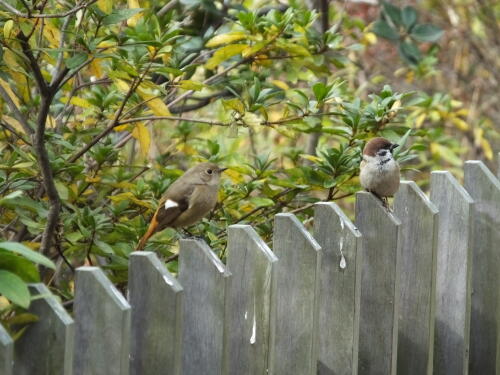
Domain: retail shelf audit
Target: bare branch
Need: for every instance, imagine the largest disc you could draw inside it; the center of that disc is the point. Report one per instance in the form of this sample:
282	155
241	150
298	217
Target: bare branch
15	111
13	131
173	118
79	6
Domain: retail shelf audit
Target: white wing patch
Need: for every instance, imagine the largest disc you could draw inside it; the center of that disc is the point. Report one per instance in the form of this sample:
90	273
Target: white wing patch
170	204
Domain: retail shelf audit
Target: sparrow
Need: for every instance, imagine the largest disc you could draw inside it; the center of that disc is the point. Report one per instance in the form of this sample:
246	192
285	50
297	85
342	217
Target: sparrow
379	171
190	198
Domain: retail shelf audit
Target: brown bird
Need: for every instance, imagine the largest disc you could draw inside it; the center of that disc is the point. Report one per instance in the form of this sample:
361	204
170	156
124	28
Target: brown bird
379	172
187	200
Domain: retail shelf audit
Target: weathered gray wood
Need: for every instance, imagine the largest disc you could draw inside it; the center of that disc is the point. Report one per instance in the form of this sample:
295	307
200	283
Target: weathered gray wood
102	325
419	231
205	281
378	325
156	333
340	281
498	169
250	262
453	281
6	352
294	299
484	188
46	347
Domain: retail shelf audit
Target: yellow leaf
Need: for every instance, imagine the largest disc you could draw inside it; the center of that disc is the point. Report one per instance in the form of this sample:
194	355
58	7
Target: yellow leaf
10	58
369	38
122	85
488	152
445	153
310	158
251	50
105	5
157	106
7	28
226	38
132	21
224	53
459	123
11	94
234	104
12	122
121	128
294	49
129	196
80	102
191	85
52	34
420	120
235	176
92	179
141	133
96	69
22	83
282	85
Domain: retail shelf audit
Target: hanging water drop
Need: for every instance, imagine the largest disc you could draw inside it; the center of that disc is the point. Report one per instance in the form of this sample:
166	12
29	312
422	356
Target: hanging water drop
343	263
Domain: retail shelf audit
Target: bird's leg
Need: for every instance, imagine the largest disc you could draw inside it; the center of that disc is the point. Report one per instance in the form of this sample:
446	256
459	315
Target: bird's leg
189	235
186	234
384	200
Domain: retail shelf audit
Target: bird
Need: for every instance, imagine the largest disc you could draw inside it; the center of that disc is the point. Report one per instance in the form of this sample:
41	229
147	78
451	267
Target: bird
379	171
190	198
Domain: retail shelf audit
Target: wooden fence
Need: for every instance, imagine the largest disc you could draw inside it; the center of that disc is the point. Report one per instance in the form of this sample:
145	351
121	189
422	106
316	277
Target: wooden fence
410	293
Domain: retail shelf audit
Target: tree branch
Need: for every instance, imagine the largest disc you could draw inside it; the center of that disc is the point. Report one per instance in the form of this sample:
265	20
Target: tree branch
79	6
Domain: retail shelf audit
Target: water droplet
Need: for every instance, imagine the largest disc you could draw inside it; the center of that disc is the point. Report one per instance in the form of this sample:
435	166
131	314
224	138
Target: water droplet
343	263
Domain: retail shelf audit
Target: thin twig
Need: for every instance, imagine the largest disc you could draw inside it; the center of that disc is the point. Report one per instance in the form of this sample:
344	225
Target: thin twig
14	132
15	111
79	6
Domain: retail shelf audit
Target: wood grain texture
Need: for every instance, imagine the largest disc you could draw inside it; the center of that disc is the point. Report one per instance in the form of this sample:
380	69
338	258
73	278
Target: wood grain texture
419	231
46	347
250	262
484	188
378	326
340	282
205	281
453	281
6	352
156	298
294	299
102	325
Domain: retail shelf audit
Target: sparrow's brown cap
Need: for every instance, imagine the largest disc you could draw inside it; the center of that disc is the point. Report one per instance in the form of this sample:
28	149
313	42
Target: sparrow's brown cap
376	144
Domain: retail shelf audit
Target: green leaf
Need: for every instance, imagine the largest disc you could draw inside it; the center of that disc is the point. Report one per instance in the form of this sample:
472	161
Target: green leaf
20	266
410	53
16	247
319	90
426	33
382	29
393	13
76	60
120	15
14	289
402	143
261	202
224	53
409	17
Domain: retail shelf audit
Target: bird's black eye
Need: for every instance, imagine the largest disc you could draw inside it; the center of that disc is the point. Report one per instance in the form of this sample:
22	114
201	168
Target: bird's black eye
382	152
209	171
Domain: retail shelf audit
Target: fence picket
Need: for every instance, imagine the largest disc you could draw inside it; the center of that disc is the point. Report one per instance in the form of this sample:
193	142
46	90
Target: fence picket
294	299
205	281
155	297
340	281
46	347
419	231
6	352
102	325
453	281
378	325
484	188
250	262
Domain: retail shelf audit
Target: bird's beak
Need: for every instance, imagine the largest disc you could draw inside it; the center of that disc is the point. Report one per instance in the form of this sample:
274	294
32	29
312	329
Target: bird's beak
393	146
222	169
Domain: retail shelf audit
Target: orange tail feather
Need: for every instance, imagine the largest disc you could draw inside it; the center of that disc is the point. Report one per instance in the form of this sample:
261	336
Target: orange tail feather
151	230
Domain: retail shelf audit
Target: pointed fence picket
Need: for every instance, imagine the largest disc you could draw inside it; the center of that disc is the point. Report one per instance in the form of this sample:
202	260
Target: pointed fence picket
339	295
484	188
52	336
419	231
246	328
453	281
408	293
156	331
378	322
